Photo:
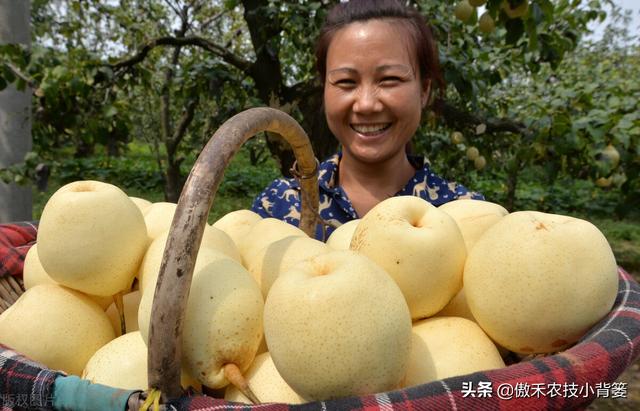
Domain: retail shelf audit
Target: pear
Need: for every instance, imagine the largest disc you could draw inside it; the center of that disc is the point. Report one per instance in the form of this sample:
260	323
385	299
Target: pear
217	239
150	266
266	383
523	277
419	246
56	326
158	217
149	277
263	233
223	322
473	217
445	347
237	223
122	363
141	203
33	274
337	325
91	238
280	255
340	238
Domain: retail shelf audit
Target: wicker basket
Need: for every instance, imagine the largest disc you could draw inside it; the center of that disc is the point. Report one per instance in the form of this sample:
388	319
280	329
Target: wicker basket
10	290
568	380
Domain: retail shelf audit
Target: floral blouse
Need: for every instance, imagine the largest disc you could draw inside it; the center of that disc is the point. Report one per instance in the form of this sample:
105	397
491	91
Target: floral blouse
281	199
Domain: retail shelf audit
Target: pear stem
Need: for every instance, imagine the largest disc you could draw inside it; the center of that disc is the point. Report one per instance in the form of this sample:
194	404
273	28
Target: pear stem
235	377
118	300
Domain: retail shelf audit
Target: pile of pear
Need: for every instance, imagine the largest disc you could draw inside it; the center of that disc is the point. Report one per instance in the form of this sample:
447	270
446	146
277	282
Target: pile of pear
408	294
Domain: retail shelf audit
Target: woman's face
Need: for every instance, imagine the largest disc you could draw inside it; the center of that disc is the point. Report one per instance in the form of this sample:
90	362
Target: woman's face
373	94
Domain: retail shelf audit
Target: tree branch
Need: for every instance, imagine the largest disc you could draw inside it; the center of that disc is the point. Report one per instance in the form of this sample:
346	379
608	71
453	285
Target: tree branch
211	20
185	120
30	82
455	117
203	43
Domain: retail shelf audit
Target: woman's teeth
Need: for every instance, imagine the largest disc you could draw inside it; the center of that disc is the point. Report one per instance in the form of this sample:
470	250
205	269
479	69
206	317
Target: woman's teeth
370	128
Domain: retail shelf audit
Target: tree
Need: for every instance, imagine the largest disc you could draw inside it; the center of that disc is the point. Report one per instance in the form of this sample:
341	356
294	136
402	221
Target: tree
15	114
199	62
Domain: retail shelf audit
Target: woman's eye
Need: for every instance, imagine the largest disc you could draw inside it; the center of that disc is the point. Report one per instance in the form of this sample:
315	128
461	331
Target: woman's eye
345	82
390	80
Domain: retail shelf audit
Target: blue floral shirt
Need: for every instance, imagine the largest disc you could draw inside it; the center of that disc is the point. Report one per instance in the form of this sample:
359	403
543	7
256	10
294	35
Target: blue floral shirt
281	199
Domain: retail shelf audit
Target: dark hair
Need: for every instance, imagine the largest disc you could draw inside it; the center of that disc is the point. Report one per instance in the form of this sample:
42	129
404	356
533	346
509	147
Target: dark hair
362	10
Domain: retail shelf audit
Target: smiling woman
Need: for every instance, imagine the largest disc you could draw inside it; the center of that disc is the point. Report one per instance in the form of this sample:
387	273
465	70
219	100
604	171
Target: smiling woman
378	63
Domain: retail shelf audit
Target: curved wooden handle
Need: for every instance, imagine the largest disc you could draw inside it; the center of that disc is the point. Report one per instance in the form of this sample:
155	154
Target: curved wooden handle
185	234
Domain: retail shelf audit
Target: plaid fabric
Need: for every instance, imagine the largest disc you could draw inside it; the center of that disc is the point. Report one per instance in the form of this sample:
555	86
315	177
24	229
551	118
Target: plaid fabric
24	384
569	380
15	241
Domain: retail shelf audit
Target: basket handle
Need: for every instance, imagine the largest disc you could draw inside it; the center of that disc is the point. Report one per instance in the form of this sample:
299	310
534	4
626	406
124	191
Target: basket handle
185	234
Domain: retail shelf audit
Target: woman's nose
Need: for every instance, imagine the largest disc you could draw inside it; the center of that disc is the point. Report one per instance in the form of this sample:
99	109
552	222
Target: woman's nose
367	100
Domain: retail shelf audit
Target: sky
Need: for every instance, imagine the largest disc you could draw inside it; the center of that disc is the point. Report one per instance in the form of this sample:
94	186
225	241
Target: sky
634	6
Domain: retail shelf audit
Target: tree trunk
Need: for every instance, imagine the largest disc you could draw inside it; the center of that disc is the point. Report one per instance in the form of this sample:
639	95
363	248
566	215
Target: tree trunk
512	183
15	115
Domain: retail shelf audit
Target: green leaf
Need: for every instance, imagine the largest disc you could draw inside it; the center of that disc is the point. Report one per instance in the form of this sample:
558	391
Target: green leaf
109	111
515	30
230	4
59	72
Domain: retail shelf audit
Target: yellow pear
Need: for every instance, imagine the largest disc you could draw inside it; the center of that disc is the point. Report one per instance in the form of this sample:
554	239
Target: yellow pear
266	383
141	203
237	223
473	217
150	267
419	246
444	347
158	217
32	271
457	307
526	276
337	325
122	363
280	255
223	322
217	239
91	238
33	274
57	326
149	277
340	238
263	233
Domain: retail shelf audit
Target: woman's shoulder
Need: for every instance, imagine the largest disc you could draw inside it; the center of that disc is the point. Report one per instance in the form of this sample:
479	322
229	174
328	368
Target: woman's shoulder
427	184
277	198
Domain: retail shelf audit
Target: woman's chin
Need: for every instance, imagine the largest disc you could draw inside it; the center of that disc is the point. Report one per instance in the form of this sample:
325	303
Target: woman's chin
369	156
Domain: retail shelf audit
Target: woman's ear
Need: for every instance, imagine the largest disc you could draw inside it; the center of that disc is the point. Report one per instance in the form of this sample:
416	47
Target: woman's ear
426	92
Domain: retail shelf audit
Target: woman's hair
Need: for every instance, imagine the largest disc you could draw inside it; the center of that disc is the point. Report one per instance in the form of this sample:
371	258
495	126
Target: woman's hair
417	27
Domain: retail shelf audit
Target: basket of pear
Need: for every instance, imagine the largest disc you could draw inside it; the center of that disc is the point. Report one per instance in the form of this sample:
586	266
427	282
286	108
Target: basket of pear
457	306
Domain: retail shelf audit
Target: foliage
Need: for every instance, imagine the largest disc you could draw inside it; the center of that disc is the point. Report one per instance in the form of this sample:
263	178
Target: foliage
166	74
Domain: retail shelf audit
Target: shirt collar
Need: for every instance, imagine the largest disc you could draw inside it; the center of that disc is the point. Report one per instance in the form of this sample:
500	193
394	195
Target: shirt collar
328	172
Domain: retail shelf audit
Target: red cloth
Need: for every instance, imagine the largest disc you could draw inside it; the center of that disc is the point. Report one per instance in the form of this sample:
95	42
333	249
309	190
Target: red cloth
15	241
24	384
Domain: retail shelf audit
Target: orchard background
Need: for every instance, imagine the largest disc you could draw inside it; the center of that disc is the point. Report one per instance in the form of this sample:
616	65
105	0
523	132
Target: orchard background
537	114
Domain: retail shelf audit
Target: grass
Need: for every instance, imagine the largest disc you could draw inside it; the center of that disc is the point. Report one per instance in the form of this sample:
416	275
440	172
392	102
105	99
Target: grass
624	238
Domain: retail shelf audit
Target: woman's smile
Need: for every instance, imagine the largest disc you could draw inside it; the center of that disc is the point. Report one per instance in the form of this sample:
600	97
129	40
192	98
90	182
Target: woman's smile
370	130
